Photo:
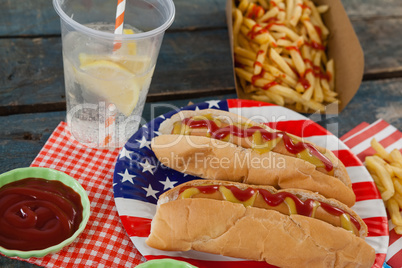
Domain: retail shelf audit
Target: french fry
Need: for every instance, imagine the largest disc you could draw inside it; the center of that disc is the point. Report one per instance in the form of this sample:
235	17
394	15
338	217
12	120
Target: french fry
281	16
396	156
256	32
243	4
322	9
298	61
398	229
290	5
284	38
278	36
393	209
245	61
317	18
260	58
291	34
318	95
238	20
297	12
376	167
254	11
263	3
246	53
280	75
397	171
275	97
331	74
327	90
398	198
397	185
377	182
272	13
284	43
275	57
389	169
380	150
243	42
379	159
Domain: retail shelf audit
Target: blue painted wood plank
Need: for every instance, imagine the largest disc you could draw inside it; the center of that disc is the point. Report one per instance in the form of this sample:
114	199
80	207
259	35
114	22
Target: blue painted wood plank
19	17
192	63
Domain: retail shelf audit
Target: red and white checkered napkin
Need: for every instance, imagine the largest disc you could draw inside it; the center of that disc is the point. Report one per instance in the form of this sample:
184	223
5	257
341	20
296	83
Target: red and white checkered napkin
358	140
104	242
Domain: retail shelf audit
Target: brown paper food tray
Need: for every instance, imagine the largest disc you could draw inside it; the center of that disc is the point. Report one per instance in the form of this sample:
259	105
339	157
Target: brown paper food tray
343	46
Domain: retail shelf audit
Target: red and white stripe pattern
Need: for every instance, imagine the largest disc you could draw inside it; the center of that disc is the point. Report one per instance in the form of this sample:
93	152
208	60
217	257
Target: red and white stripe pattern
121	7
369	204
109	135
118	29
388	136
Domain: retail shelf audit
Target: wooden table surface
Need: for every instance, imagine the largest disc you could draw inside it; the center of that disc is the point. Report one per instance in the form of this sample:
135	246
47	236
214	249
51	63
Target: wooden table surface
194	64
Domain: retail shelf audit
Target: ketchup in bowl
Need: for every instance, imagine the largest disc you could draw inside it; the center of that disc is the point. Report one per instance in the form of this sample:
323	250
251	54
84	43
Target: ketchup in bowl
36	213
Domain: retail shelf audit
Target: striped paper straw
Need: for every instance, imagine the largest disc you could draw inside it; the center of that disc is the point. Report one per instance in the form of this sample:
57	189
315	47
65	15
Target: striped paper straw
118	28
110	125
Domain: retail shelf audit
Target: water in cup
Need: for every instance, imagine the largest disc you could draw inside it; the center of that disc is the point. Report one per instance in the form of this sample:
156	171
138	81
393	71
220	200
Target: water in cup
107	75
107	87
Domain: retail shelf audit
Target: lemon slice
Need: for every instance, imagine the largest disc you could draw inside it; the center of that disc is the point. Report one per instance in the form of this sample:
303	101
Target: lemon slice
111	81
132	46
90	58
134	64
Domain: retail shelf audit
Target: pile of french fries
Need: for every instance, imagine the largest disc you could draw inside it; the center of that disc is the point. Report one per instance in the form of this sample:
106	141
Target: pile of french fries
386	170
280	53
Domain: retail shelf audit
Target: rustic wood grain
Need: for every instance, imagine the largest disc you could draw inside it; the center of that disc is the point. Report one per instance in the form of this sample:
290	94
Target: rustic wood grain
381	45
13	263
361	9
197	62
32	71
22	137
374	100
190	64
27	18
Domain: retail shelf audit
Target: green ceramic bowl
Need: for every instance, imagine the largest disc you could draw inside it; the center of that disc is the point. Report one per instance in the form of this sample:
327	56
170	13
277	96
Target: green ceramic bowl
49	174
165	263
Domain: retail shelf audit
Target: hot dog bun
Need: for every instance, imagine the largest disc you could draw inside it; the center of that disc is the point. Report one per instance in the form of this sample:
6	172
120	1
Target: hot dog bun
235	230
221	160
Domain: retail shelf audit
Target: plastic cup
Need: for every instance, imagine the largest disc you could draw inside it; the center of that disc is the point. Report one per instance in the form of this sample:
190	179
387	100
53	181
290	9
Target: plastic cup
107	76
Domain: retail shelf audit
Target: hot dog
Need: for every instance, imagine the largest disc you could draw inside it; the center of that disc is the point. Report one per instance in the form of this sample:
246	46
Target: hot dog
214	144
286	228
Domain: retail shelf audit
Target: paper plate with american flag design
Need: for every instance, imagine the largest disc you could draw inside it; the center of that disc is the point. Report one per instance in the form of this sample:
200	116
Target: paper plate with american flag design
139	179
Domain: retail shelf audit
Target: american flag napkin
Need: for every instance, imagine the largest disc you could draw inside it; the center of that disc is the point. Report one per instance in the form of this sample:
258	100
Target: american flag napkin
358	140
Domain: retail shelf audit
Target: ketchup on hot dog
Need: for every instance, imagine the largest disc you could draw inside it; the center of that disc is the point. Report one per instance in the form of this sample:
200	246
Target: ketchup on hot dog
301	149
294	204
